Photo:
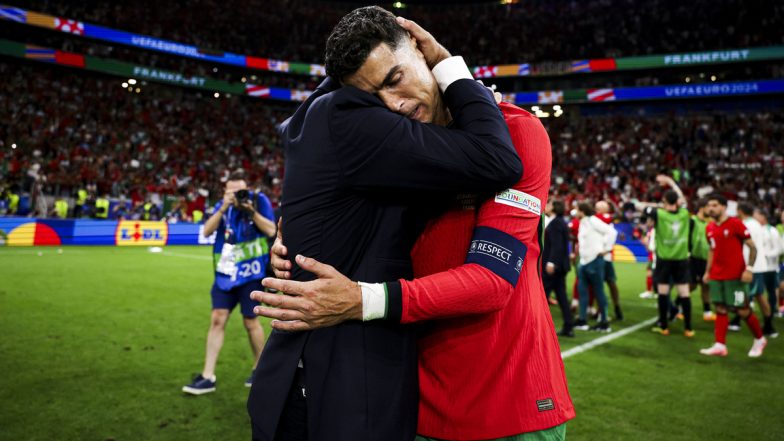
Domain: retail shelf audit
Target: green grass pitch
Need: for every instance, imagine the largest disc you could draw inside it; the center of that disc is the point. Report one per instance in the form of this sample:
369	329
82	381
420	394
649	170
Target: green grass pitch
97	342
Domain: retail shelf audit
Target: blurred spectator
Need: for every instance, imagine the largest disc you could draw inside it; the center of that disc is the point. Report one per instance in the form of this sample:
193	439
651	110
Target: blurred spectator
178	143
616	157
157	142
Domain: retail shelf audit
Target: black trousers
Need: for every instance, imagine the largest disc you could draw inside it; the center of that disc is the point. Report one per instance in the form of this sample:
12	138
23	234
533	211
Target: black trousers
293	424
557	282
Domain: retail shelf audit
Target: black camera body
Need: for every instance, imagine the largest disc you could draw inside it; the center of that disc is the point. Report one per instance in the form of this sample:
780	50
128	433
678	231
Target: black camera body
242	196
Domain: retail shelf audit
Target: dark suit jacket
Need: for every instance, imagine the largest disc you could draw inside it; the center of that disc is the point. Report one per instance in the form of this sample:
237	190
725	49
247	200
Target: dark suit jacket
359	180
556	245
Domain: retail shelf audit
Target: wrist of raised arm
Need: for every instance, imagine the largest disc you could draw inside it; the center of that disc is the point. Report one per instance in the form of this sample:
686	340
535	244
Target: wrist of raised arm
450	70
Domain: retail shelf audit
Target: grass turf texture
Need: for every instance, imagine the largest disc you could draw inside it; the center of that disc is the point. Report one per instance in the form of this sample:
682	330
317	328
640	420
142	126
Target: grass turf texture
97	343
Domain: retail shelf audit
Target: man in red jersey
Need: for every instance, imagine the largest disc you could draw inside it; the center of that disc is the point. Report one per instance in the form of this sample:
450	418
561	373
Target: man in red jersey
481	377
729	276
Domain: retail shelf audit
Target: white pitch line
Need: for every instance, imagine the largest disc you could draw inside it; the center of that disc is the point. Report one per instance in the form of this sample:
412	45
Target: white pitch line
606	339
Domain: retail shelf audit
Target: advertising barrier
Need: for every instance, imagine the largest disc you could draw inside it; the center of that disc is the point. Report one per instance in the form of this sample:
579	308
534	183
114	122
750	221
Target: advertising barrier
16	231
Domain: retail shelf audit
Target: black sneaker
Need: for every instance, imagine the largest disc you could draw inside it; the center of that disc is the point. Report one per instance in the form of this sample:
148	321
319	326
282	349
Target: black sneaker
249	381
618	314
566	332
200	386
602	327
581	325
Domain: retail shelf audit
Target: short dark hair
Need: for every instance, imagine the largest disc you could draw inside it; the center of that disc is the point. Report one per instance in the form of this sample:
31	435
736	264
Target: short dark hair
718	198
670	197
701	203
236	175
746	208
762	212
356	35
585	208
559	208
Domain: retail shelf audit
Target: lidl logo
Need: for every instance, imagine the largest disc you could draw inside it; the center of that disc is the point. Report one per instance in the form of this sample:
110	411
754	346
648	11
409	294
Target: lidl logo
144	233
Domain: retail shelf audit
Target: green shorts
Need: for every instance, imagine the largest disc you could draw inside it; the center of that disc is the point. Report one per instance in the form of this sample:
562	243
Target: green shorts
729	292
557	433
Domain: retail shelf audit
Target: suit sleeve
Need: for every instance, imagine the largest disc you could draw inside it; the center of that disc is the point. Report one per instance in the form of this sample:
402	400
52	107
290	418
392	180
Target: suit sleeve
380	149
552	243
473	288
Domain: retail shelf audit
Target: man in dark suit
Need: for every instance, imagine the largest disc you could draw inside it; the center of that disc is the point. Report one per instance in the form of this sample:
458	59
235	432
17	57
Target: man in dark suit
360	183
555	260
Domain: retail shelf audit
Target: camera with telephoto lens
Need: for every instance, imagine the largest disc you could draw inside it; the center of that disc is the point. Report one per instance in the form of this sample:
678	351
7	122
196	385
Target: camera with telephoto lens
242	196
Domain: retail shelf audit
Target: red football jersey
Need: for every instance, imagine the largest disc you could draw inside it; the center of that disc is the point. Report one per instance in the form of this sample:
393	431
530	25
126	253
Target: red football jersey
726	241
574	229
489	362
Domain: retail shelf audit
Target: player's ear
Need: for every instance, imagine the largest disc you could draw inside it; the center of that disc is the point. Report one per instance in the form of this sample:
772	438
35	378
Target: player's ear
415	47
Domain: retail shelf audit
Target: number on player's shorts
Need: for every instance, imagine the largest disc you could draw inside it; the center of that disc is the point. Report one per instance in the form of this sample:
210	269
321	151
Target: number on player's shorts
740	297
248	269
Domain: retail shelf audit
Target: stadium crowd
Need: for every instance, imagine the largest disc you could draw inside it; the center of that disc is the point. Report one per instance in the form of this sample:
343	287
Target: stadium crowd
738	155
161	141
171	141
294	30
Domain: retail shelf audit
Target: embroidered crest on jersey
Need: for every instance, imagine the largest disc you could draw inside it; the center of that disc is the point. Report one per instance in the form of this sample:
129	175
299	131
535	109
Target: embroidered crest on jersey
544	405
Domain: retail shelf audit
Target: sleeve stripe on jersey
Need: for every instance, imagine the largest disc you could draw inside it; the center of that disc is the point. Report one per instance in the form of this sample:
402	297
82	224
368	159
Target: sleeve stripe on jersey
394	294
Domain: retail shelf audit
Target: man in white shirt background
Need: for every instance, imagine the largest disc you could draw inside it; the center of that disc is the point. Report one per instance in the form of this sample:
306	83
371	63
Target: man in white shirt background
761	269
593	240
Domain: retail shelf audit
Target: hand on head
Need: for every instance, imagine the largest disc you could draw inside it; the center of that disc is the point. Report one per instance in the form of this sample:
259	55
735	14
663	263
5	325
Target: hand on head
432	50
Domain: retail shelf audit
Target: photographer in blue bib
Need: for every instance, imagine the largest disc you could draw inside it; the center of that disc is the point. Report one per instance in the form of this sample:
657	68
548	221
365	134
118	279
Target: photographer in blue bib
244	220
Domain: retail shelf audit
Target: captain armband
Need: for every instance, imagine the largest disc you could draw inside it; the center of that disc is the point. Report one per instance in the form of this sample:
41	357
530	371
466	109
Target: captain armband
499	252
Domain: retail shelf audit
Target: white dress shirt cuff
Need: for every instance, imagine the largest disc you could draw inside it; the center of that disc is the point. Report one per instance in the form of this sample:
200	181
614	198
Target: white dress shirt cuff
451	70
374	301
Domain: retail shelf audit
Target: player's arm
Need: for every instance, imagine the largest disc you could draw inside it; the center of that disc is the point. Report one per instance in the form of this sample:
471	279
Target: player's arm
484	283
642	207
747	276
691	233
666	180
380	149
708	265
752	253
